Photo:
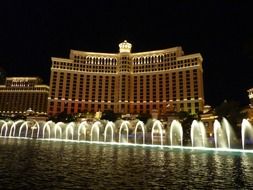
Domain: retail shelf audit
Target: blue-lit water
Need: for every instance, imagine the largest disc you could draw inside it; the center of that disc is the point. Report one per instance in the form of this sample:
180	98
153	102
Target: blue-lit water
37	164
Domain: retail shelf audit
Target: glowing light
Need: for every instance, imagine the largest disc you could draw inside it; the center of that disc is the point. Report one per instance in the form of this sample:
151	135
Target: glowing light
73	129
125	47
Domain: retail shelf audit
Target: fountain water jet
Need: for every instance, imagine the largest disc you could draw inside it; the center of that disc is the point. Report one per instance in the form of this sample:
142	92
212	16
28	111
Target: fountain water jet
26	128
246	127
198	131
175	129
111	126
58	128
5	127
47	126
125	125
84	125
13	127
228	131
70	127
141	124
157	124
34	127
216	129
95	129
223	135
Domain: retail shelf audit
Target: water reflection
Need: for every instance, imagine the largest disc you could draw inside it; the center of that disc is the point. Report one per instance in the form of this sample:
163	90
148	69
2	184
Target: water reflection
34	164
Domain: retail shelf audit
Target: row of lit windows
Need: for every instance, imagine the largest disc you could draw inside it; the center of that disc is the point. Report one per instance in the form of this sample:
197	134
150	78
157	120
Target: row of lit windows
95	60
154	58
14	101
13	89
140	79
162	66
136	68
136	60
84	67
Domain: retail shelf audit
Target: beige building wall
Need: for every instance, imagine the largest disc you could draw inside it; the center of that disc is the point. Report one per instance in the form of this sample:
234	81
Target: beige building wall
127	82
22	93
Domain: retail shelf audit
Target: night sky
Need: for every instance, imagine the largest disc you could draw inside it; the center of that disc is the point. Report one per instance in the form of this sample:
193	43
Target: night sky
33	32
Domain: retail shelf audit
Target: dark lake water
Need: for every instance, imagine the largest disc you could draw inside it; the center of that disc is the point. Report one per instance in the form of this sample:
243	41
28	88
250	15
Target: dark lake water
36	164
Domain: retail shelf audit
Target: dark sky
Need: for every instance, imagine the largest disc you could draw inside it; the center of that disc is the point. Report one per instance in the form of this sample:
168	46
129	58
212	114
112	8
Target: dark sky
33	32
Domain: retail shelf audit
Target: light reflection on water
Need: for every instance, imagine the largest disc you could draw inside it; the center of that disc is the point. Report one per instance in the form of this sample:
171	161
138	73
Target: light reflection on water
33	164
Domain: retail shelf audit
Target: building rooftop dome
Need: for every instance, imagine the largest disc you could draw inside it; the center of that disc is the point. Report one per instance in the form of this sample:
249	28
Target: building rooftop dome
125	47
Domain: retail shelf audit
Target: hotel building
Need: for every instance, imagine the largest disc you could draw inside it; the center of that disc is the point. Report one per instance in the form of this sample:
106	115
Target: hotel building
250	95
127	82
22	93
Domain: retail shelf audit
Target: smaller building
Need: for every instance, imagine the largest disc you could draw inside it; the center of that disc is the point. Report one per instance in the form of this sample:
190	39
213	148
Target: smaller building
249	110
20	94
250	94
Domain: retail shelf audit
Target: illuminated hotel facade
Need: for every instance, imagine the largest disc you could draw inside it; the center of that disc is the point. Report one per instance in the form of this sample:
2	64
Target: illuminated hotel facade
22	93
127	82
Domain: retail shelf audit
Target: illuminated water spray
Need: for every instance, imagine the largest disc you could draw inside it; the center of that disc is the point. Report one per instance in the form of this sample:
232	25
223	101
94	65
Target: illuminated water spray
58	129
95	130
227	130
198	133
142	126
82	129
70	129
176	132
26	128
47	127
124	125
110	125
157	124
216	130
13	128
35	126
246	130
4	127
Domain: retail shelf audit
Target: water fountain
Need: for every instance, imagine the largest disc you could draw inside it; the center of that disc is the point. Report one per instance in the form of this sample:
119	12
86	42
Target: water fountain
107	132
176	132
198	134
109	126
124	127
247	132
142	126
157	124
95	129
82	129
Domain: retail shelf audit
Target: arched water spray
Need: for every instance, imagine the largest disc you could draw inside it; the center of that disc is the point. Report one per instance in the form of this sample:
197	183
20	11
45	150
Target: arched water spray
216	129
47	126
194	126
4	127
34	127
13	127
176	127
94	127
111	126
139	124
227	129
124	124
246	126
83	126
203	132
26	128
58	128
157	124
199	129
70	127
